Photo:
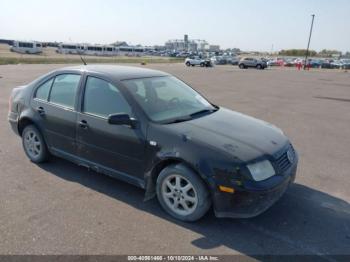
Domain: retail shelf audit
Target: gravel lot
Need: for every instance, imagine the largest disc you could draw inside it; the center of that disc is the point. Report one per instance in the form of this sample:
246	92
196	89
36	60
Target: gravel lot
60	208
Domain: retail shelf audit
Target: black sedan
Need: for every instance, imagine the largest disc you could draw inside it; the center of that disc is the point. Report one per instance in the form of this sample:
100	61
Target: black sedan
152	130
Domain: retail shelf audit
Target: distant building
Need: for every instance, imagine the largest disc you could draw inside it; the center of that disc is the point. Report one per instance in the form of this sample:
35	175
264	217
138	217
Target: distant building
159	47
6	41
186	45
214	48
175	45
186	41
120	43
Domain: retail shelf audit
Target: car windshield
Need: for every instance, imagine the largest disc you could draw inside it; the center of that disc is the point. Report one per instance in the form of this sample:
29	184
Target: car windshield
167	99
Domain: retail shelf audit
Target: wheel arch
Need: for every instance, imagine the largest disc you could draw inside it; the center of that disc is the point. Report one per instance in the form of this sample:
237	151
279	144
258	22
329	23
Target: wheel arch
23	122
151	179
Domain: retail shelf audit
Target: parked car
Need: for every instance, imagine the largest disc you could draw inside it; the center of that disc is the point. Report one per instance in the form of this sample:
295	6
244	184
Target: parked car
252	62
326	64
218	60
233	60
337	64
315	63
272	62
346	63
196	60
289	62
152	130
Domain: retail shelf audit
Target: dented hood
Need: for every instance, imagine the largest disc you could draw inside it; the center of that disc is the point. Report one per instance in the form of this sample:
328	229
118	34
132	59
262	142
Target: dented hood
242	136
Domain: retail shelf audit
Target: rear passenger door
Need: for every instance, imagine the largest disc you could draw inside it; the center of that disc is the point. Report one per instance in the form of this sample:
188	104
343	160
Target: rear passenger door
55	103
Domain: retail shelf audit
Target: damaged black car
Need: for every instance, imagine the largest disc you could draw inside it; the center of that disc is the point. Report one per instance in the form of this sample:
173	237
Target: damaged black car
150	129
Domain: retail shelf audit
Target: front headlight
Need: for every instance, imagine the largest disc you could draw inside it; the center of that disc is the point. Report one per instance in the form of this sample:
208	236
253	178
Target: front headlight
261	170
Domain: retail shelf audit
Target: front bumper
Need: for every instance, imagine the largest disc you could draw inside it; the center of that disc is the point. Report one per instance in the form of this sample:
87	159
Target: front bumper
253	201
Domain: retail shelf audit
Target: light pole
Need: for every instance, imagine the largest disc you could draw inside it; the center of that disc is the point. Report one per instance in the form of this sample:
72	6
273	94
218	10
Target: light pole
308	43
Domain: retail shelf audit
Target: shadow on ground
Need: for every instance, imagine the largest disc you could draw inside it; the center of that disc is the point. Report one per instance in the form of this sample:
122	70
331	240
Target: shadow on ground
304	221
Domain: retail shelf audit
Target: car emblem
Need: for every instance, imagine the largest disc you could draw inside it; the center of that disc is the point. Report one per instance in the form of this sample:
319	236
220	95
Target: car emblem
290	156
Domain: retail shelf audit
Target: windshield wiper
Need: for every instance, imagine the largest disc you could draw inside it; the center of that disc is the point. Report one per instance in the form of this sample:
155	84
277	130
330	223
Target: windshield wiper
191	116
178	120
202	112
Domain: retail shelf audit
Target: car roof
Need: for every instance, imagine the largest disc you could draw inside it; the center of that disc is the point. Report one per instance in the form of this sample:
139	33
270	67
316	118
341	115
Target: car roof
116	72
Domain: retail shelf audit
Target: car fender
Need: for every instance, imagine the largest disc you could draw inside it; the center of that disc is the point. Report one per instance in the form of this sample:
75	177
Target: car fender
29	114
168	157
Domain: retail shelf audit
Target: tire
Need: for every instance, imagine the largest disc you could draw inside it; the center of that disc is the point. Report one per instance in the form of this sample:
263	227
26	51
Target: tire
241	66
202	64
258	66
171	183
34	144
188	63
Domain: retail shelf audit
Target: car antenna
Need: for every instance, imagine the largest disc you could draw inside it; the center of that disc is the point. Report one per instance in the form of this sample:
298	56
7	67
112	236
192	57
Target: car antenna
82	59
79	53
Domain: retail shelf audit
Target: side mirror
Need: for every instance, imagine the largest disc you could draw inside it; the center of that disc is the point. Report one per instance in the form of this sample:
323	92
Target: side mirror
122	119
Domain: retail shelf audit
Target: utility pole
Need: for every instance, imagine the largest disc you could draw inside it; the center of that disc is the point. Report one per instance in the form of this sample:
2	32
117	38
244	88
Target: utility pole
308	44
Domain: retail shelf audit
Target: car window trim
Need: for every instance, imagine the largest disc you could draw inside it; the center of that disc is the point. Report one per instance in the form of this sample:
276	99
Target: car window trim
55	105
94	115
76	92
40	85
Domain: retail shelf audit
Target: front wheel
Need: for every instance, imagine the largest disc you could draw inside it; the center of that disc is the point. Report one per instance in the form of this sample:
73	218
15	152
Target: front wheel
182	193
202	64
241	66
34	145
258	66
188	63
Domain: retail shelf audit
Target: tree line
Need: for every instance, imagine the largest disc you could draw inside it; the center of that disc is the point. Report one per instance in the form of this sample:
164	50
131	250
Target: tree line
322	53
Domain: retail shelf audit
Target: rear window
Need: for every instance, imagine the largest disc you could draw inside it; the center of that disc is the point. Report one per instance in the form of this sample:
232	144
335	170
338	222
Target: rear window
42	92
64	90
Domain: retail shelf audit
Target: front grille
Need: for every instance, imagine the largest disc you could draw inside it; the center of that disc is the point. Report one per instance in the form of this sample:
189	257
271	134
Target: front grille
283	162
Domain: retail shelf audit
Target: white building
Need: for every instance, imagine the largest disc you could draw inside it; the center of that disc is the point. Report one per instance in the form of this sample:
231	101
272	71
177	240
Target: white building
186	45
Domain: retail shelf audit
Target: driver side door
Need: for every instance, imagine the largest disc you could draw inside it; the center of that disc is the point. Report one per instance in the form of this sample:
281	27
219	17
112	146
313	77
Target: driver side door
116	149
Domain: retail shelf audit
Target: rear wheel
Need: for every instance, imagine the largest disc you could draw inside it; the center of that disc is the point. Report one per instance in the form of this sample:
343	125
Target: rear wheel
202	64
34	145
188	63
182	193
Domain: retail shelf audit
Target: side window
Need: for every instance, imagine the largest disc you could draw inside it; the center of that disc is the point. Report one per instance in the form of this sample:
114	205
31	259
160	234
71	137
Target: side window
42	92
102	98
64	90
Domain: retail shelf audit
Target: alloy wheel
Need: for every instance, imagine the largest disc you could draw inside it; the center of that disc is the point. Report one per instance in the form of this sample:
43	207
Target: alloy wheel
32	144
179	195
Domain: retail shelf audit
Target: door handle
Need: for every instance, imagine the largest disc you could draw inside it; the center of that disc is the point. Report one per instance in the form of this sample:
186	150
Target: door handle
83	124
40	110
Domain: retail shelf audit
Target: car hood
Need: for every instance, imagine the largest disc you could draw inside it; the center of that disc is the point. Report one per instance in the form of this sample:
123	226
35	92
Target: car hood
243	137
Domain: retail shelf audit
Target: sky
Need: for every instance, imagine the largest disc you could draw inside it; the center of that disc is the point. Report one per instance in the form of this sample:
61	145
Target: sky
261	25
